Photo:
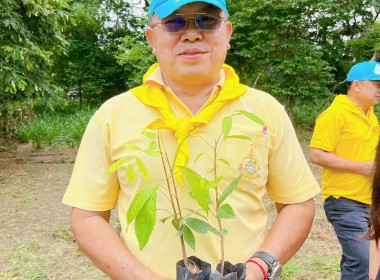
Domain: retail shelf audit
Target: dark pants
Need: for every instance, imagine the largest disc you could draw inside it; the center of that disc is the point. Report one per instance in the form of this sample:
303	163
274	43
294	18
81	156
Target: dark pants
350	220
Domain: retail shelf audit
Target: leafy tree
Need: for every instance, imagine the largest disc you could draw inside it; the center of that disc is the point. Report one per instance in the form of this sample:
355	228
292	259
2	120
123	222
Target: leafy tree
31	35
134	52
91	70
272	50
135	55
365	46
297	49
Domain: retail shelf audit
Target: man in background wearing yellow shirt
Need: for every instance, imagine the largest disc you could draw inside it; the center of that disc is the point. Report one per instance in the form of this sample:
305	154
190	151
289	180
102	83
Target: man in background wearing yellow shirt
344	144
189	88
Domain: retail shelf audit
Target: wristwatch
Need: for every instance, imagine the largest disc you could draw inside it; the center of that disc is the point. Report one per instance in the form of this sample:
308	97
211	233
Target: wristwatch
274	265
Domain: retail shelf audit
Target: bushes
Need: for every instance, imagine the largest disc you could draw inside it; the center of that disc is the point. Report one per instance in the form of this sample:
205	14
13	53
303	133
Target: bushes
54	128
12	116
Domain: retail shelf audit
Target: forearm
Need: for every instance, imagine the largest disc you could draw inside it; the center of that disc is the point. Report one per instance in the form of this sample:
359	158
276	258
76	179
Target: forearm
288	233
103	246
289	230
332	161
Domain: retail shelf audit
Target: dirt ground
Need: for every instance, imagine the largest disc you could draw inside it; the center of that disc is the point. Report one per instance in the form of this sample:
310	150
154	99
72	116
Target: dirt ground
36	240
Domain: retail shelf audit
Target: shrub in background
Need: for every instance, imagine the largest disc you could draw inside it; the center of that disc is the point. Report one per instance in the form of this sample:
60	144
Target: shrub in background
12	116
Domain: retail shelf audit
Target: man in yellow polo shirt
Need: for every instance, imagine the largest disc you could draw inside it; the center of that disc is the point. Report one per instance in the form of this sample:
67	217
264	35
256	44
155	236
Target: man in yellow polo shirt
190	88
344	144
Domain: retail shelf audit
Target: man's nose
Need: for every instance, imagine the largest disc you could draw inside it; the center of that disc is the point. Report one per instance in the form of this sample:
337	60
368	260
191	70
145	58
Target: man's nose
191	31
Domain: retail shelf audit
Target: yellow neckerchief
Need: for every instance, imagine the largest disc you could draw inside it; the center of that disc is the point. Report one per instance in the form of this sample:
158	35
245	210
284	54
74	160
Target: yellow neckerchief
152	95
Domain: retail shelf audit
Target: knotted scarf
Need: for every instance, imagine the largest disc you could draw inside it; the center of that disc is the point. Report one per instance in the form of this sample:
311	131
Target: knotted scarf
152	95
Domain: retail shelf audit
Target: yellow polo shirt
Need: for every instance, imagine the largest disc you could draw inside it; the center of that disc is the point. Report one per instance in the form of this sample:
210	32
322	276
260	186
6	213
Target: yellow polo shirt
345	130
282	171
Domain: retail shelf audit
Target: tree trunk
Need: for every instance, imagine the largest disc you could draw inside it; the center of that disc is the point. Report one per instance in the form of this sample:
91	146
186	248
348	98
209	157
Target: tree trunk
80	95
376	55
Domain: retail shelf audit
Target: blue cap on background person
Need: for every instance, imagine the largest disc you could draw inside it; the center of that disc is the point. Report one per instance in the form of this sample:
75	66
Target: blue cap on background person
369	70
163	8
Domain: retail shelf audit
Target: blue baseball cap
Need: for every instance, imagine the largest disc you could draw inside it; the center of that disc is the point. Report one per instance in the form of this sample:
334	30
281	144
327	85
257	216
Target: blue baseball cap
163	8
369	70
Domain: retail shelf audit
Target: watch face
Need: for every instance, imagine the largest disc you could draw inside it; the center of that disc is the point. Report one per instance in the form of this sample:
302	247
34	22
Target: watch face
275	272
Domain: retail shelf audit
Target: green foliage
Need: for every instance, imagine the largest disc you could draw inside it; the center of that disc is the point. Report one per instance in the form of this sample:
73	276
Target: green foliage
135	55
198	186
143	211
229	189
297	50
31	35
364	47
143	207
54	128
89	70
225	211
13	115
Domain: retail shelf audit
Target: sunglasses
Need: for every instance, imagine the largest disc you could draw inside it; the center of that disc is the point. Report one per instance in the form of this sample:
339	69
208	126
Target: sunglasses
178	22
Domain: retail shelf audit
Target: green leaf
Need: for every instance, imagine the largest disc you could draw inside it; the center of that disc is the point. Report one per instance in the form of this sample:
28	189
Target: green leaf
183	221
143	170
230	189
191	195
119	163
226	212
214	183
165	219
224	232
226	126
195	213
132	147
145	221
188	236
200	193
152	146
253	117
152	153
175	224
224	161
150	135
139	201
130	173
198	157
213	230
195	130
242	137
197	225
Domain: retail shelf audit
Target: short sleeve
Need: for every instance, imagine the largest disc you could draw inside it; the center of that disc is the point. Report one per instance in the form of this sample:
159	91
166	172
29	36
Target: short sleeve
327	130
90	187
290	179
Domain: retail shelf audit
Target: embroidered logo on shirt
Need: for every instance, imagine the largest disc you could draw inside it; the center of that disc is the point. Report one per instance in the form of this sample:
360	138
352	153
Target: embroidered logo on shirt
250	166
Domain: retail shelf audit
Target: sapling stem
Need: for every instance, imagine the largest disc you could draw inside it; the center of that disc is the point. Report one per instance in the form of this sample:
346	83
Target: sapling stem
173	198
217	208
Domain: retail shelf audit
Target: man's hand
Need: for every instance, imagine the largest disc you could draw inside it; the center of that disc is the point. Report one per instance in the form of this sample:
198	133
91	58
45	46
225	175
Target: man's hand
253	271
367	168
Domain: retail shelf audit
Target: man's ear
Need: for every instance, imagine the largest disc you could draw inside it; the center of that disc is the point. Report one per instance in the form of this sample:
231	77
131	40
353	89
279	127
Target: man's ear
355	85
229	33
150	36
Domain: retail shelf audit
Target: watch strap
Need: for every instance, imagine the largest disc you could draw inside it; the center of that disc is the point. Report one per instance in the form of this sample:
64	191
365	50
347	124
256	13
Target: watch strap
266	257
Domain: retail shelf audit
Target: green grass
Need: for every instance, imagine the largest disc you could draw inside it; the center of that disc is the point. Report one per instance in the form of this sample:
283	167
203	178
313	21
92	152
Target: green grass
314	267
3	179
53	129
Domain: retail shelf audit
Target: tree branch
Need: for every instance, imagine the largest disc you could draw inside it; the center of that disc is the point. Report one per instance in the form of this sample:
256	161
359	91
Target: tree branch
376	55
